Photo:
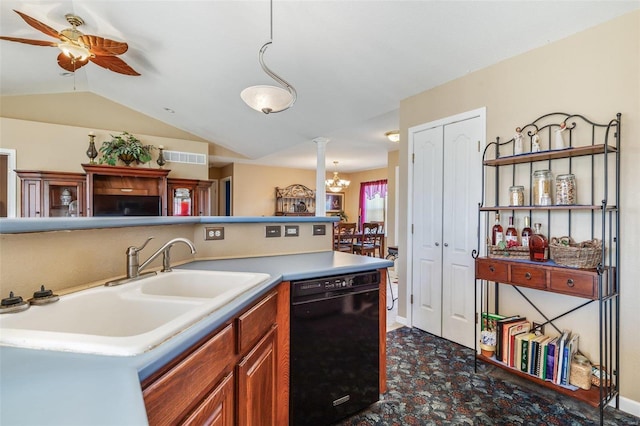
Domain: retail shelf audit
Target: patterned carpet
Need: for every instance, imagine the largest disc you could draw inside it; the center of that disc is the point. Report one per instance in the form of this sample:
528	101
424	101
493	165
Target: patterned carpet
431	382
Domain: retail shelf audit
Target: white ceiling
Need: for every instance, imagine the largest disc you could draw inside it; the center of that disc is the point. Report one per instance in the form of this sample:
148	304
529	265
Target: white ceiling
352	62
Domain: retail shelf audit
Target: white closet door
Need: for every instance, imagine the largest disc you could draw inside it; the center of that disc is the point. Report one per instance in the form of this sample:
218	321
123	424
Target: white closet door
462	191
427	232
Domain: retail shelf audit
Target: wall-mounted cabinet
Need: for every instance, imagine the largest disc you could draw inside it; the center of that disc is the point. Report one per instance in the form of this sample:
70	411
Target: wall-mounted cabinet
295	200
52	194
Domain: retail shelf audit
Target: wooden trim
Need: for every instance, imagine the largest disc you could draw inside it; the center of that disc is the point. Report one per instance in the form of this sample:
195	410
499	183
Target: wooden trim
282	352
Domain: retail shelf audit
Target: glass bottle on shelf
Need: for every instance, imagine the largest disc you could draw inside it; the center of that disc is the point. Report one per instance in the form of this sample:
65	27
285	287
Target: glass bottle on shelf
526	232
511	236
496	232
538	245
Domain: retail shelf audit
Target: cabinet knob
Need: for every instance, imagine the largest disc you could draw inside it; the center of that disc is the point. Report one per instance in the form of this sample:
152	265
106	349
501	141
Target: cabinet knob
527	275
492	268
570	282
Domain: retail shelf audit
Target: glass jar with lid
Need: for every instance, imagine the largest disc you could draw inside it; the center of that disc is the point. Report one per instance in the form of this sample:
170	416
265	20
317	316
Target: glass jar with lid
182	202
566	189
516	195
541	187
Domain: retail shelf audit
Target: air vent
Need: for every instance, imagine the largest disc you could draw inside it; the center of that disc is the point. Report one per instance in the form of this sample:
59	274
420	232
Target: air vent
185	157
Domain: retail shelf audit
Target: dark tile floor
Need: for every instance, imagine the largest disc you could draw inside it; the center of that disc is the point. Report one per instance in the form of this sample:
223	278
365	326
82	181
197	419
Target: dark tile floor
431	381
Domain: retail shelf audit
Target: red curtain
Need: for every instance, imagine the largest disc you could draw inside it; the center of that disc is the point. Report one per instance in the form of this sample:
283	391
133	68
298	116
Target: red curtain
368	191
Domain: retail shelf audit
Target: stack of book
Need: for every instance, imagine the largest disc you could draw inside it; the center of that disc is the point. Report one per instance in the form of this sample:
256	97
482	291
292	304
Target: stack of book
548	358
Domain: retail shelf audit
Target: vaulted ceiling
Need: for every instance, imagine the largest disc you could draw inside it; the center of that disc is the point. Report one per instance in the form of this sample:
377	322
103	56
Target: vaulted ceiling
352	62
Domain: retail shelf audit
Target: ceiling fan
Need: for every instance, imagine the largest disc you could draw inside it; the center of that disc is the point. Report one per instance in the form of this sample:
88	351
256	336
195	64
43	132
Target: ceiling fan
77	48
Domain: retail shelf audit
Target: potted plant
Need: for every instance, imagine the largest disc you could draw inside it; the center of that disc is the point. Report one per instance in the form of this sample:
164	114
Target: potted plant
126	148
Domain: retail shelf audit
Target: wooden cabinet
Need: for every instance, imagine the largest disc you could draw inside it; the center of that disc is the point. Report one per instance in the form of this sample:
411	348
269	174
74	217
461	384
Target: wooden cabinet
592	155
295	200
114	180
199	193
234	376
49	194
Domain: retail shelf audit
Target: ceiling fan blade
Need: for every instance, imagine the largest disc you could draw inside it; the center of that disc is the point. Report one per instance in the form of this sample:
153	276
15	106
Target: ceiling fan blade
38	25
69	64
103	46
29	41
114	64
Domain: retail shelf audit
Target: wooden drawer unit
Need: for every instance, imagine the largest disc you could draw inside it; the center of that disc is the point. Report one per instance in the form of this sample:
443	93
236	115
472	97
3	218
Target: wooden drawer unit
576	283
169	398
492	270
527	275
254	323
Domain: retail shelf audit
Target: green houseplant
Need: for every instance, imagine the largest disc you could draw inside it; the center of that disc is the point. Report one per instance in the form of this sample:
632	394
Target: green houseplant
126	148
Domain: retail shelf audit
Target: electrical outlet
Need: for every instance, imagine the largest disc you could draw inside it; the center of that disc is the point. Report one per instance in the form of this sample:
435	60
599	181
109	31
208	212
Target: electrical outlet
291	230
319	229
214	233
273	231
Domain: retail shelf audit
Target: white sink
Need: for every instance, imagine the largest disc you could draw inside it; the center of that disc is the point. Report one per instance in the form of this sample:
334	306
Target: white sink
128	319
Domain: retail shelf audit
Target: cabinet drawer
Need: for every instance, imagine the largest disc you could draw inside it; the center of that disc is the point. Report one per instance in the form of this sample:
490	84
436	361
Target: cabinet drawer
491	270
576	283
168	398
254	323
529	276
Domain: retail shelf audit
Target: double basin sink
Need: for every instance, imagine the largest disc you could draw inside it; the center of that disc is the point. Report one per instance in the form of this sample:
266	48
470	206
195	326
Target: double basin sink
128	319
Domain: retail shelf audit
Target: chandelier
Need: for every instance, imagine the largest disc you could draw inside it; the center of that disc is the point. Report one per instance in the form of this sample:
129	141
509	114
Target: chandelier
265	98
336	184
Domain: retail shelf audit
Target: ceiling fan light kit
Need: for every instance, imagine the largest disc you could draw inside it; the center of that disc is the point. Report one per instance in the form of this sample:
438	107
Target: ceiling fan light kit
265	98
77	49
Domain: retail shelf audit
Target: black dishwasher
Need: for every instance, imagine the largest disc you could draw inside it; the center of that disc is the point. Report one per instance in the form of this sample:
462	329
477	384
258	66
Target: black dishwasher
334	347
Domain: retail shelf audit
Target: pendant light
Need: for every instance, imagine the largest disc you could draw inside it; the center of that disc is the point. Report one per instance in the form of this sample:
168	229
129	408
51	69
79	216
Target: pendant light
336	184
265	98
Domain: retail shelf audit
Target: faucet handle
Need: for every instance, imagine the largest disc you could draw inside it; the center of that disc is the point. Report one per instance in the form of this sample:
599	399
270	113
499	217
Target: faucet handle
133	250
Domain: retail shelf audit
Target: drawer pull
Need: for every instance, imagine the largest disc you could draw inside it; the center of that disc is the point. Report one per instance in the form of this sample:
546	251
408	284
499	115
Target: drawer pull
570	282
527	275
492	269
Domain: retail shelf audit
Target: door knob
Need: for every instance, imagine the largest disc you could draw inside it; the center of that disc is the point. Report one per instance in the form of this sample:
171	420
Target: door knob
446	244
437	244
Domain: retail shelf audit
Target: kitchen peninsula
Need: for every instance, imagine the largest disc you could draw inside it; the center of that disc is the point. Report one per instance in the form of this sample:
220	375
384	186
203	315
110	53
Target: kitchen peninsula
73	388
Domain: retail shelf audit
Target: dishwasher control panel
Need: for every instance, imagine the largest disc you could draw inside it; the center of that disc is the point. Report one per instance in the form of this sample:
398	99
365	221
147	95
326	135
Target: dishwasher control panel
334	283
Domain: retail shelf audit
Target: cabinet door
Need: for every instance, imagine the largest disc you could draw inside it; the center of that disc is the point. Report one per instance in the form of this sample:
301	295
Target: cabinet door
216	409
31	198
257	384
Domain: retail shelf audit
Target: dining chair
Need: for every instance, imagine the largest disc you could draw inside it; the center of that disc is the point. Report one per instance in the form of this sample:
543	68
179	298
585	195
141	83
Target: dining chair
345	237
370	240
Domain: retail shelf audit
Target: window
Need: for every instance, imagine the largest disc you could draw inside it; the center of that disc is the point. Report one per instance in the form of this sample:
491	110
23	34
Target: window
373	201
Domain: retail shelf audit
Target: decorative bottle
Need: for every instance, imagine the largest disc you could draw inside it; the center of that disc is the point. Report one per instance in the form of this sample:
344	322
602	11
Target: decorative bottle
511	236
526	232
538	245
496	232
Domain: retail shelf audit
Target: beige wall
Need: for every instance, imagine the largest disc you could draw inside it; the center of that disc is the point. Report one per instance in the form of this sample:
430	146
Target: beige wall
595	73
392	197
55	147
69	260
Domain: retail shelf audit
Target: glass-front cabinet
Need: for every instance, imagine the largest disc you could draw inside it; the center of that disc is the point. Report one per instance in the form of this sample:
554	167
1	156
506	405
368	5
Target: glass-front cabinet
52	194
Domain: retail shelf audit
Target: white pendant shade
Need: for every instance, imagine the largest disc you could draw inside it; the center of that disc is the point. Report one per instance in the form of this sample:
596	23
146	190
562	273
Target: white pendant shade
74	51
267	99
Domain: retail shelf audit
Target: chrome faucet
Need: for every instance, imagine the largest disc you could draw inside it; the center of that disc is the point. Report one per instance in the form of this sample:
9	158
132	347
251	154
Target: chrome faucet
133	261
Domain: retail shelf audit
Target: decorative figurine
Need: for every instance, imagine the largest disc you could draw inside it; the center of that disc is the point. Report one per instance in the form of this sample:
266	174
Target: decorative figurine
517	142
92	152
161	161
535	142
559	139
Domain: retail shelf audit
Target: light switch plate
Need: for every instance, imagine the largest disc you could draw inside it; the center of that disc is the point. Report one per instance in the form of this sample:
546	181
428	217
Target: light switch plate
291	230
273	231
319	229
